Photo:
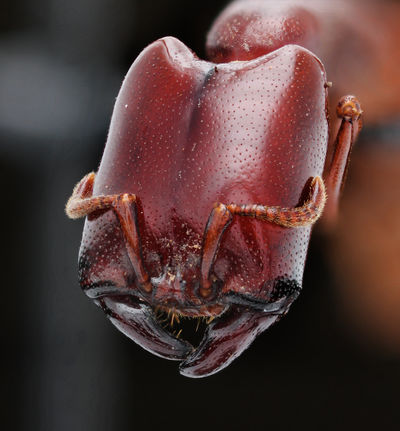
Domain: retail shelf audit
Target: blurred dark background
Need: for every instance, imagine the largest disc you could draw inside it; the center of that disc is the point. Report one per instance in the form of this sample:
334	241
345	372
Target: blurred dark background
328	365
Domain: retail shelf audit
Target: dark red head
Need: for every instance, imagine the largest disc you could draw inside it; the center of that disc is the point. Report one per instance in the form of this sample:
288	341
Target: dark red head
186	135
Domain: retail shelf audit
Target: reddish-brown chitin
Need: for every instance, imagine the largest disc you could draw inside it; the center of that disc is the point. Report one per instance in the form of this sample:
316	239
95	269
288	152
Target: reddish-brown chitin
204	200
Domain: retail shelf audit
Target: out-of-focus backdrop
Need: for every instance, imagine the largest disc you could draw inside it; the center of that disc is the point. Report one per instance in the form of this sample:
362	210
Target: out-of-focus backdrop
332	363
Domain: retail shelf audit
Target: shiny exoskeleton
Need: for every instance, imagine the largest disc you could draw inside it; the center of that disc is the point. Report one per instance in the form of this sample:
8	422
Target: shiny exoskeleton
213	175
